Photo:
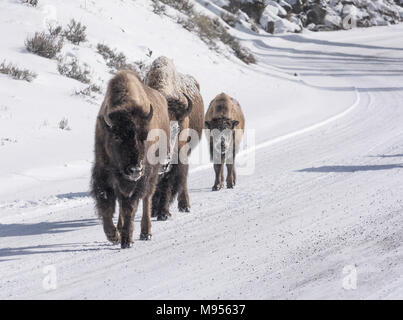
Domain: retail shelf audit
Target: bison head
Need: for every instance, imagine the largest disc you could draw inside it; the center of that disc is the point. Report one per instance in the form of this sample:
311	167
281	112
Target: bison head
126	135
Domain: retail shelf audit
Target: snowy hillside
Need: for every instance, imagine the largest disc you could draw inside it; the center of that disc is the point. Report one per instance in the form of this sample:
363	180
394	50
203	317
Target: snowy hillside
325	193
280	16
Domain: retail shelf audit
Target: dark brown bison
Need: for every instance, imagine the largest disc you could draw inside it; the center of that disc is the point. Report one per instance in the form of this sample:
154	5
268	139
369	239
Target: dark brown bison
186	108
226	123
122	170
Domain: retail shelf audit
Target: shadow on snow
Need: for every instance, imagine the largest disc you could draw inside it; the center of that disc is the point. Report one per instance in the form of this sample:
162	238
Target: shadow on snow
352	168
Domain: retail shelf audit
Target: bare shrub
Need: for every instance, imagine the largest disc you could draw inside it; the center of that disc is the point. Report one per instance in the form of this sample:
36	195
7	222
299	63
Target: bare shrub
183	6
117	60
254	9
75	32
33	3
44	45
242	53
16	73
158	8
211	30
54	31
188	24
88	91
64	124
74	70
254	27
208	29
3	141
229	18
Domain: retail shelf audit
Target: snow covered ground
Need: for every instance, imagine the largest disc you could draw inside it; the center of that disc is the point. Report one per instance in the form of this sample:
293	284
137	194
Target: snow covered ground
325	196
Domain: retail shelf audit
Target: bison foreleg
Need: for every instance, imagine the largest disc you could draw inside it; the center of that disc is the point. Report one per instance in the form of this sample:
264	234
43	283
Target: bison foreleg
230	176
105	199
120	221
183	194
162	195
128	208
219	176
146	219
106	214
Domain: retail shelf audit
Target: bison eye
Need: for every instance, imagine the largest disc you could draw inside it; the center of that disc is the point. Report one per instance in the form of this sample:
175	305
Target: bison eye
117	139
143	136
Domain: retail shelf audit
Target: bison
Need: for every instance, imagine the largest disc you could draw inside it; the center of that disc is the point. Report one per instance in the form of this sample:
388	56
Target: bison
122	170
186	108
225	123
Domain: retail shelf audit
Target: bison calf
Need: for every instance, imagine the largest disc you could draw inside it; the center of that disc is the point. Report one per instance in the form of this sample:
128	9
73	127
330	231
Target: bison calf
122	170
226	123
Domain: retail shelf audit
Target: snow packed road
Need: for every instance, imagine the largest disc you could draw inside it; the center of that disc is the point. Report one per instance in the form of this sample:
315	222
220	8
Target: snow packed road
323	205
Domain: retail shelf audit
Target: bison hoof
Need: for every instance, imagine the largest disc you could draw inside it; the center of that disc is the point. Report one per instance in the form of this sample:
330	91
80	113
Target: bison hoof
145	236
115	239
126	242
217	188
230	186
184	208
126	245
163	217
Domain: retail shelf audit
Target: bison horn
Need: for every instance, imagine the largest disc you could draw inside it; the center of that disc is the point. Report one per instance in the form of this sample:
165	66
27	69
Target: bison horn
190	105
108	121
150	115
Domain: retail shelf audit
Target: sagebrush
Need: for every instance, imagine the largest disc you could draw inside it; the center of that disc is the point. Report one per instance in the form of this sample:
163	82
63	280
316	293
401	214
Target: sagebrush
88	91
33	3
75	32
17	73
118	61
44	44
73	69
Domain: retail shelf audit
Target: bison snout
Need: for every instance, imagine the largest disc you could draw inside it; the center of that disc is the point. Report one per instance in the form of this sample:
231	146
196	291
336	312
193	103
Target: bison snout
222	145
134	173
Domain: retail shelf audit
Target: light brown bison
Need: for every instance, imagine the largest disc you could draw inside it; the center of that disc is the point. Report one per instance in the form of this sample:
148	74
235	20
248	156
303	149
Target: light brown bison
122	170
186	107
226	123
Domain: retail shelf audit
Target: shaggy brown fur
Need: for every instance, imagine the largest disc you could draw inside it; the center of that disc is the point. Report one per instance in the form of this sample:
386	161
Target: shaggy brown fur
175	87
225	113
121	171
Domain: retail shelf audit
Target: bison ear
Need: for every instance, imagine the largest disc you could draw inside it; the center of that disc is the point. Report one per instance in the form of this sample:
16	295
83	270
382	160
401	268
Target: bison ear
207	124
234	123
